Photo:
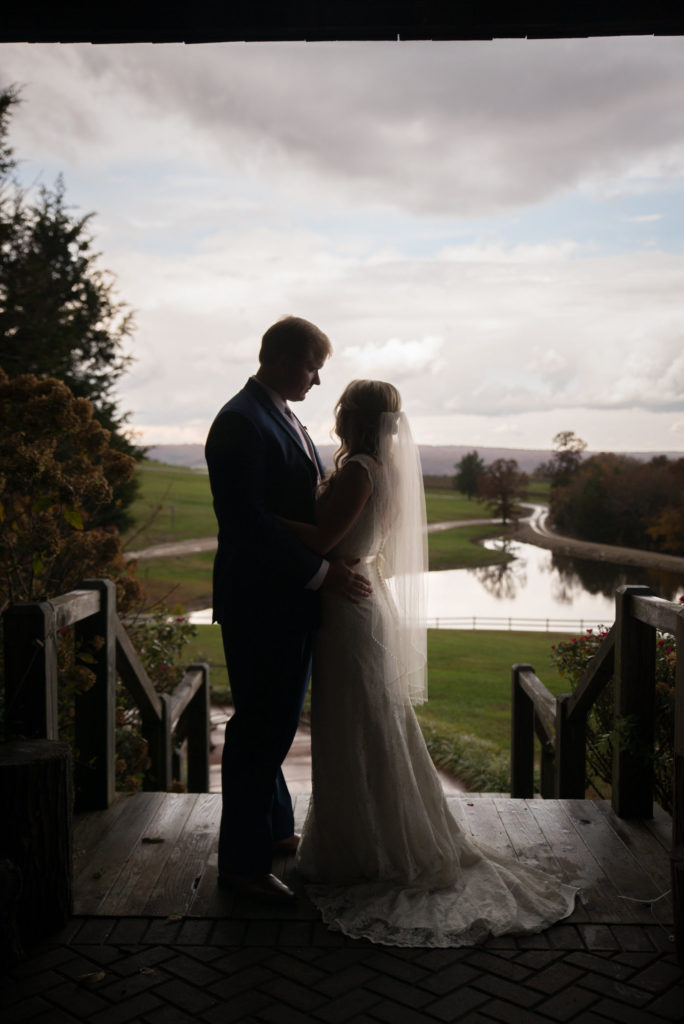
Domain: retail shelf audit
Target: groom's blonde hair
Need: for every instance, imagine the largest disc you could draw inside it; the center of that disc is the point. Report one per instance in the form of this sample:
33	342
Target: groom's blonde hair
295	338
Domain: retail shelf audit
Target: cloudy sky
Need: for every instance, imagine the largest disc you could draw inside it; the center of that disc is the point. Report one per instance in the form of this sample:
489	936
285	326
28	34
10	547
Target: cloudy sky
496	227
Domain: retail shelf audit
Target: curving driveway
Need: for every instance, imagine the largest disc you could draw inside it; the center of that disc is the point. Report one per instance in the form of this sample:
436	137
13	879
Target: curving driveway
532	529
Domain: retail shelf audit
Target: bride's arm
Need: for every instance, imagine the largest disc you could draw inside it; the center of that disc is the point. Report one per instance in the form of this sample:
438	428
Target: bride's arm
337	511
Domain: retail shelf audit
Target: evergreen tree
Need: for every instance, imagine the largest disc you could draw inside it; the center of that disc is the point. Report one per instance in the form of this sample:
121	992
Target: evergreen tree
59	314
468	473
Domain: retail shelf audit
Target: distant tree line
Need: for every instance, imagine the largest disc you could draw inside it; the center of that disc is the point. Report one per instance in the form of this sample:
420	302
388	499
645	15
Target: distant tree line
615	499
607	498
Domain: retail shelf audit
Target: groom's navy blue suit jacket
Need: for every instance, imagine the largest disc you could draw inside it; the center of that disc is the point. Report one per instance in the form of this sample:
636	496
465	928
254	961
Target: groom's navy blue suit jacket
258	471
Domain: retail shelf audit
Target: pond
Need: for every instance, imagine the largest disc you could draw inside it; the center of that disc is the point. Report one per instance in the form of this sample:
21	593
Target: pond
537	589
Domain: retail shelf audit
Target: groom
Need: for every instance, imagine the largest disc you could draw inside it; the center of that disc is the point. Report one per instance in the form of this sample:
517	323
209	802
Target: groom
262	466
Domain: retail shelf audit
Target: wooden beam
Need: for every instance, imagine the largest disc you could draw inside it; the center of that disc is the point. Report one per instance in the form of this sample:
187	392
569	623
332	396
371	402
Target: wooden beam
74	606
596	675
266	20
134	676
96	708
522	736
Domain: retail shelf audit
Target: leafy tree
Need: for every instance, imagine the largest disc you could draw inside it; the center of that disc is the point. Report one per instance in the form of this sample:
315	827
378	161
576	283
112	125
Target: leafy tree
57	471
59	314
667	529
567	456
468	473
501	486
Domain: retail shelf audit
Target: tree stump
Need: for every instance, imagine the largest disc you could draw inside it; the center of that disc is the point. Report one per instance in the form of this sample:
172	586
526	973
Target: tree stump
36	806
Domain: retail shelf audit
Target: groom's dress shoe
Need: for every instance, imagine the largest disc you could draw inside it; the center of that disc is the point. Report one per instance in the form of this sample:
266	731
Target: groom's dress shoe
288	845
266	888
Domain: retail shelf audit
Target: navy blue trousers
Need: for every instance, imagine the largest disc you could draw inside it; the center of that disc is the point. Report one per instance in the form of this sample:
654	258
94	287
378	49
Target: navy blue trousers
269	673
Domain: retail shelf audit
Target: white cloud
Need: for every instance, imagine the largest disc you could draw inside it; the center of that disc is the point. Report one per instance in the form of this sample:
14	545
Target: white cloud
381	190
396	358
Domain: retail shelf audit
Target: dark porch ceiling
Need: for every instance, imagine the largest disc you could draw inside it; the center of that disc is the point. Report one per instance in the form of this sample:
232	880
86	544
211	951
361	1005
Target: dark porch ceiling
262	20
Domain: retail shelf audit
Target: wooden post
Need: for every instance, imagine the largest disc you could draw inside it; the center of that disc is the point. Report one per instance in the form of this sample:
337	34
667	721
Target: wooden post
571	752
677	856
96	708
166	748
547	773
634	710
522	738
158	734
30	672
198	730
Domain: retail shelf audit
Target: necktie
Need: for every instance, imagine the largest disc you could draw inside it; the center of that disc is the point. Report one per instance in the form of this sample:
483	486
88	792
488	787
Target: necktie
304	438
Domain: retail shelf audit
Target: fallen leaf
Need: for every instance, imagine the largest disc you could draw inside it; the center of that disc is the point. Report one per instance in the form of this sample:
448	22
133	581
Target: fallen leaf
153	839
175	917
92	978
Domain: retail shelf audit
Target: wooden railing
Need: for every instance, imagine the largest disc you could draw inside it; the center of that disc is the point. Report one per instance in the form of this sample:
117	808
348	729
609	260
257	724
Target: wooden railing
31	633
627	655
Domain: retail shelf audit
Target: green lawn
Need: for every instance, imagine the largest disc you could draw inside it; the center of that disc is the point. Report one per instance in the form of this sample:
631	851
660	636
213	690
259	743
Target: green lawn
458	548
469	676
445	506
173	503
179	583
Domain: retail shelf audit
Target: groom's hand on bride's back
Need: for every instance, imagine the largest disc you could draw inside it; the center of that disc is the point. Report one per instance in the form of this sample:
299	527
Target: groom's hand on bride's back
342	579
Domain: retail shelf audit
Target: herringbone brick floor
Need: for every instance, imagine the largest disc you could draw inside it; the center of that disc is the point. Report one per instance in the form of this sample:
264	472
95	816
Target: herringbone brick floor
156	971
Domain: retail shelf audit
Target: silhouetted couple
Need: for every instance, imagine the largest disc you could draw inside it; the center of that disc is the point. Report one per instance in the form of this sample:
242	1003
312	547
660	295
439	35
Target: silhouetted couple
336	568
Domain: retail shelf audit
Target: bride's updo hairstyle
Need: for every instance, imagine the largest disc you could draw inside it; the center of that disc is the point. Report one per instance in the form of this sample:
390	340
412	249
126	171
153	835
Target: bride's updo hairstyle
357	417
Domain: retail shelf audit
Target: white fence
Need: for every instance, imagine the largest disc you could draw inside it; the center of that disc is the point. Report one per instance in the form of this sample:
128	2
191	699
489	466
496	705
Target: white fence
549	625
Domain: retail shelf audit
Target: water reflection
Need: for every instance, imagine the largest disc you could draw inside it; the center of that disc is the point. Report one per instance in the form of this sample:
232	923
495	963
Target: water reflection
504	581
605	577
535	584
539	584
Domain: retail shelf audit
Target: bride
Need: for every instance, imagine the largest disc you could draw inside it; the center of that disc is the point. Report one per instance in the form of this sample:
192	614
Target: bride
384	856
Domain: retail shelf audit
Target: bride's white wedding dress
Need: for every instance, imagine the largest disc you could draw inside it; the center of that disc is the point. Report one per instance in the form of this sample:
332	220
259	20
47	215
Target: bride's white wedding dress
386	859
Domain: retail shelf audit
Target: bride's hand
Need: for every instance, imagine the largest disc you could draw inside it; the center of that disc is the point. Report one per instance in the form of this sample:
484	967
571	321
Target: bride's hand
341	579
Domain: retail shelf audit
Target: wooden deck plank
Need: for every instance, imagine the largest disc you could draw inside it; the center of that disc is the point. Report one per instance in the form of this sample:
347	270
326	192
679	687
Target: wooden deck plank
483	822
643	841
660	826
528	841
631	880
91	826
175	888
595	901
104	861
577	840
148	860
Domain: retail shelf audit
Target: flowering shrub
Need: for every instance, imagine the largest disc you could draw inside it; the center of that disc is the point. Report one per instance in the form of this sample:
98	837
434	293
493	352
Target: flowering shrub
571	658
159	640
